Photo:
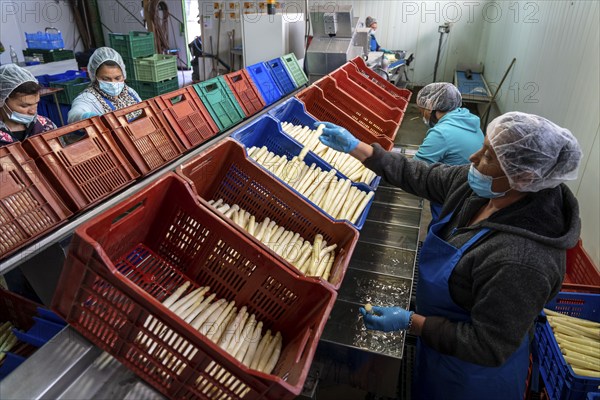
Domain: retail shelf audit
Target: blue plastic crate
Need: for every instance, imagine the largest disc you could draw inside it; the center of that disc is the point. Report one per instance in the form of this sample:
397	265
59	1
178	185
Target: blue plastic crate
293	111
260	75
560	380
11	362
45	40
45	80
280	75
47	108
266	131
41	331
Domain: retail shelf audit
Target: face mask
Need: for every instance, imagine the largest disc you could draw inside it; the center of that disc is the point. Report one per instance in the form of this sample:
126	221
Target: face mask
111	88
19	118
482	184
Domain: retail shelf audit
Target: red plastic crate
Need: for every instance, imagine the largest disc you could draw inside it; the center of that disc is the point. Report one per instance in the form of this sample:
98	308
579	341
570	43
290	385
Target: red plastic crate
85	172
147	142
323	110
225	172
123	263
374	115
245	92
349	73
582	274
29	206
362	67
183	111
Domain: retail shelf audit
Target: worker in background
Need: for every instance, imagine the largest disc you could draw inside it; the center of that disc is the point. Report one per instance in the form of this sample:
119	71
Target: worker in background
107	91
371	23
454	132
19	98
492	262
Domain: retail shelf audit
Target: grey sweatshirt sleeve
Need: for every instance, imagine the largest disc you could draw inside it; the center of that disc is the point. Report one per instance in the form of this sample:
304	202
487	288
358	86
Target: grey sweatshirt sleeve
509	292
432	182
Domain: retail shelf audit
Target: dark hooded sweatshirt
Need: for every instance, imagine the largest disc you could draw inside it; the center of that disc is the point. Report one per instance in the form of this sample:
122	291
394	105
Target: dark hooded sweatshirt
506	278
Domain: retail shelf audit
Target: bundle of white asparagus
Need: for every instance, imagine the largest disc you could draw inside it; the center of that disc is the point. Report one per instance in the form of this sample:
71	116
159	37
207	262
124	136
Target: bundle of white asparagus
579	342
7	339
312	259
236	332
337	197
345	163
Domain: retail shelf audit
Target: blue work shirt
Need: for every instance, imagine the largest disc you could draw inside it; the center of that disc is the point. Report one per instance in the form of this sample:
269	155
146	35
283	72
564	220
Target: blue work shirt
452	140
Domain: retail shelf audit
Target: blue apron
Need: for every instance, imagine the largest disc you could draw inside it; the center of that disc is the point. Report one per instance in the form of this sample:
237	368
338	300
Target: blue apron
112	106
440	376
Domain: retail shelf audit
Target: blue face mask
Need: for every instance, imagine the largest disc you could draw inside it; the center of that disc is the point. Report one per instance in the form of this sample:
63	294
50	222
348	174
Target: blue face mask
19	118
111	88
482	184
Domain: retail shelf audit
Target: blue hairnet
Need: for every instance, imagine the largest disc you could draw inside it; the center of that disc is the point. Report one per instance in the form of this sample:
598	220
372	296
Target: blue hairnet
533	152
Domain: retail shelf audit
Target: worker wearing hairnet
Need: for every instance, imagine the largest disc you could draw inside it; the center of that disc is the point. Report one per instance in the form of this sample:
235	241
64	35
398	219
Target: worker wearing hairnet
371	23
107	91
19	98
493	260
454	132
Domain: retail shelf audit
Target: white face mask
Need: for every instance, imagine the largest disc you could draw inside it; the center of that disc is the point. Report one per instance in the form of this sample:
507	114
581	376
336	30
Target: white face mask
111	88
20	118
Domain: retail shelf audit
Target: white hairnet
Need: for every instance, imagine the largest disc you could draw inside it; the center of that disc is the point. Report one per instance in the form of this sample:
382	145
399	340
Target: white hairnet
101	55
11	77
533	152
439	96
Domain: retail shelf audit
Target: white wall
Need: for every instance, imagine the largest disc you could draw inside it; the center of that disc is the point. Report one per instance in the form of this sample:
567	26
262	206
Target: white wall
556	75
413	26
19	17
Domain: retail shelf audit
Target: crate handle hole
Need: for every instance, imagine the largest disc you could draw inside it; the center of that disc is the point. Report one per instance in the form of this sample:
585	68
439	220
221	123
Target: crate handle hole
176	99
236	78
127	212
211	87
71	138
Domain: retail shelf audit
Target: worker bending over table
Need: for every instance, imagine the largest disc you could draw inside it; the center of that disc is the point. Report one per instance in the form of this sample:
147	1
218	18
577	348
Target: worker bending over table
493	260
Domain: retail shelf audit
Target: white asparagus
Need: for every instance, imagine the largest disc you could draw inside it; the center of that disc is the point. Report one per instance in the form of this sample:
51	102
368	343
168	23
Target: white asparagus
241	344
270	365
266	354
290	246
231	210
329	267
264	342
223	208
322	264
230	330
263	228
251	225
212	326
314	260
362	207
234	343
255	339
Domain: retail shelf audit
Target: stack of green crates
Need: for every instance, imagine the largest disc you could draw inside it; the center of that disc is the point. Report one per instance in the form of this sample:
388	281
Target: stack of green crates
72	88
156	75
131	46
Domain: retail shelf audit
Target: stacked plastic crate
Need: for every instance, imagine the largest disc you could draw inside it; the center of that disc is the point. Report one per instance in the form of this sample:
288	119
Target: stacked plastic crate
148	73
46	47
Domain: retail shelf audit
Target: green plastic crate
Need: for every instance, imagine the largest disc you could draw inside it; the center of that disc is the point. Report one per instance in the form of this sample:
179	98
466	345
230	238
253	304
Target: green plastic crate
220	102
147	90
156	68
293	67
71	87
133	44
129	67
47	56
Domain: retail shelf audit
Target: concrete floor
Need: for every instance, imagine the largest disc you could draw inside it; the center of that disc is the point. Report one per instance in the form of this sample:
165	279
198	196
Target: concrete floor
411	133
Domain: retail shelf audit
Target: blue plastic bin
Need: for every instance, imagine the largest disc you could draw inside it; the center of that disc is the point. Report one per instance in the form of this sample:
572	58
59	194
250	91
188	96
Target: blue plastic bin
292	111
45	80
560	380
280	75
44	40
260	75
266	131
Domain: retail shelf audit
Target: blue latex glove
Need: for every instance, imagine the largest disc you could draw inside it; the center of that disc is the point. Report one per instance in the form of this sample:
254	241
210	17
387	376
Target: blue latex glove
337	137
386	319
89	114
386	51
